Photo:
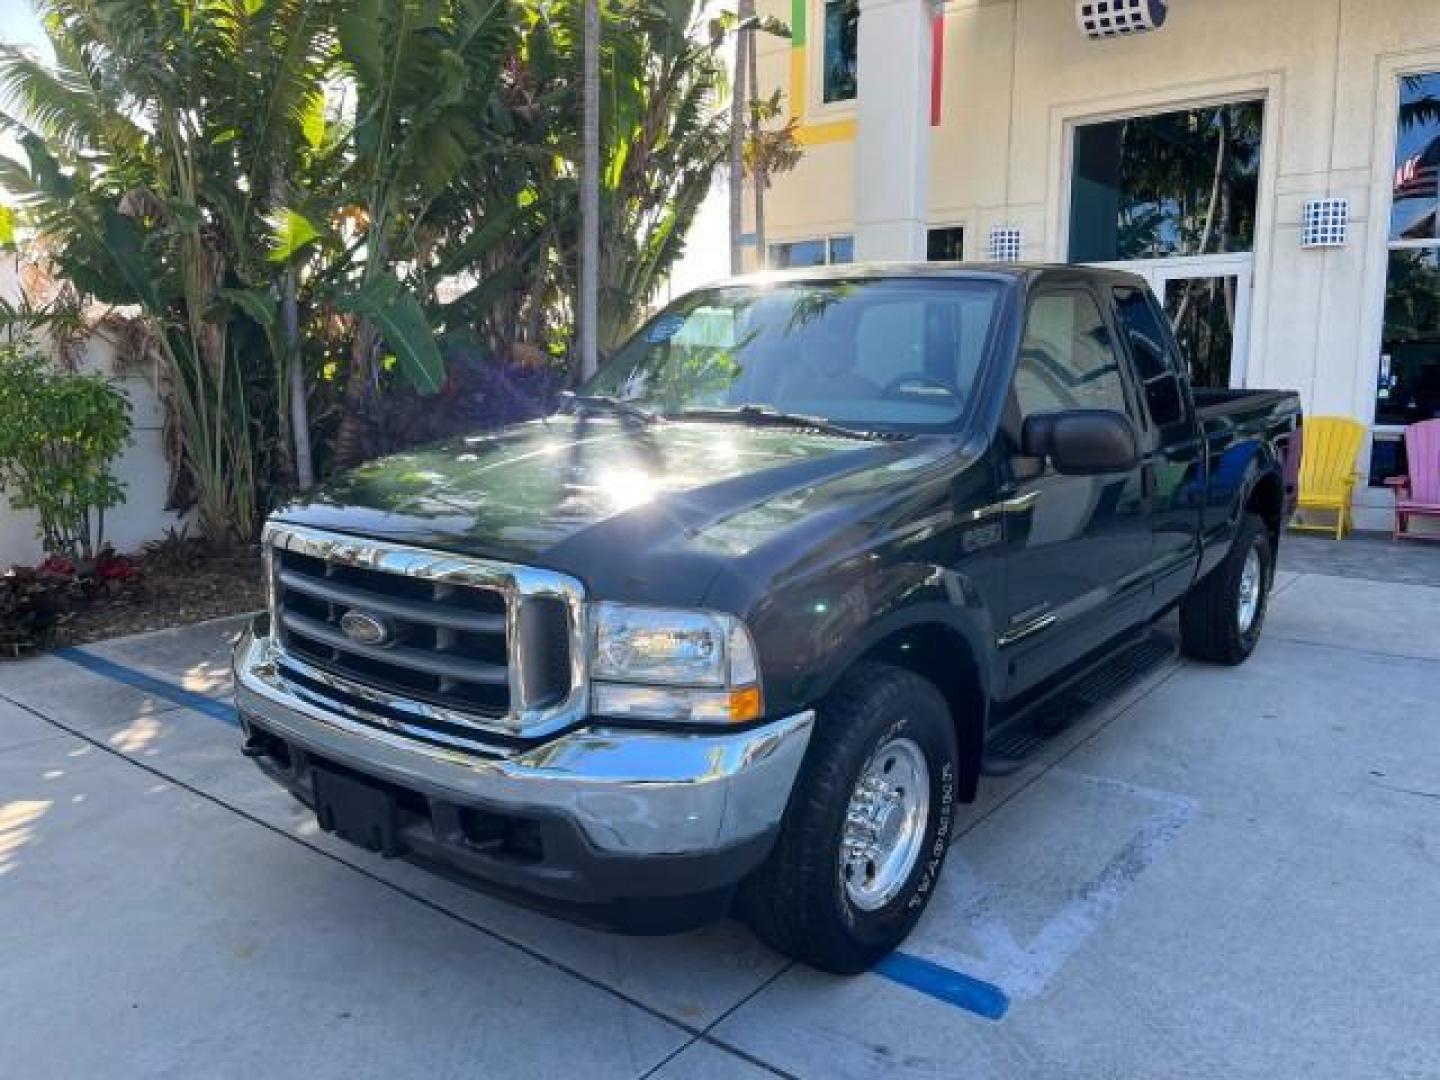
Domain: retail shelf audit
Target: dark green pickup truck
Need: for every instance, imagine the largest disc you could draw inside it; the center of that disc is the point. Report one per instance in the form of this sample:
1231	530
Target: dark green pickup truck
734	629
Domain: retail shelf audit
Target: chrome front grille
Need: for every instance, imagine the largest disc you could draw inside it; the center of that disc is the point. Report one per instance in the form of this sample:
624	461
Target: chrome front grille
441	647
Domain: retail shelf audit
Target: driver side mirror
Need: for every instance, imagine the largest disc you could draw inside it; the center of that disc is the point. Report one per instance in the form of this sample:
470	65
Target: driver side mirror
1082	442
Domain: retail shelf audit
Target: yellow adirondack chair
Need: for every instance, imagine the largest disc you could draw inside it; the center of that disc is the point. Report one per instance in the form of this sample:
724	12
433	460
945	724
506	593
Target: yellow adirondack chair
1327	471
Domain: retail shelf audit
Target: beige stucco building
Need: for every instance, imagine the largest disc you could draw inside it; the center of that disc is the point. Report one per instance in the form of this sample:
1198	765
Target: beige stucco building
1191	153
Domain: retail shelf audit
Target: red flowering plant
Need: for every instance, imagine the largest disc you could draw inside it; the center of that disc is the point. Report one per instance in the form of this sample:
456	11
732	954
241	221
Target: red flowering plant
57	566
115	574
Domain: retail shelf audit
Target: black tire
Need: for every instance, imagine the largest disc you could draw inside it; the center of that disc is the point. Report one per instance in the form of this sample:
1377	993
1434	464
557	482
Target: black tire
1210	623
797	901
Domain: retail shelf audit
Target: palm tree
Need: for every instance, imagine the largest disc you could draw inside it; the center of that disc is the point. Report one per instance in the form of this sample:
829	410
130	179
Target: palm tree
590	192
663	137
424	76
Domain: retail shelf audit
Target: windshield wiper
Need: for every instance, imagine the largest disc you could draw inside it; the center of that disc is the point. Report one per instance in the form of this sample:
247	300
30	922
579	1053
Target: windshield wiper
765	416
607	403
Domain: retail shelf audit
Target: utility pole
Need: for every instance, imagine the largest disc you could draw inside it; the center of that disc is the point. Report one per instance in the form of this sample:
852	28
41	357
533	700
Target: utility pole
588	313
738	99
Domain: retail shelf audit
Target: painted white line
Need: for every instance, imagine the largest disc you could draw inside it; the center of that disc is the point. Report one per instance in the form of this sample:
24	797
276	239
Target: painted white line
1023	972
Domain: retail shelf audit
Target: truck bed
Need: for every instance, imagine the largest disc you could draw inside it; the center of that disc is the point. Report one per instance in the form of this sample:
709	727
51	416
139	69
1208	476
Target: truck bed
1215	404
1234	421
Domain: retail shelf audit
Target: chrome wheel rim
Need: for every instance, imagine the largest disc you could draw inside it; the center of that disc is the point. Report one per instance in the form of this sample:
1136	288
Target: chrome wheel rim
885	824
1252	579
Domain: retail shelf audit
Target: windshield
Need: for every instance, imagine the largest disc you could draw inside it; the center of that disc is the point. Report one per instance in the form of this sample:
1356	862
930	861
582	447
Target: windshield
889	354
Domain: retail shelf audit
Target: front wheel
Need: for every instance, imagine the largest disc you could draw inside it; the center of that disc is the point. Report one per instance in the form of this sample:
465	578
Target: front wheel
867	828
1221	618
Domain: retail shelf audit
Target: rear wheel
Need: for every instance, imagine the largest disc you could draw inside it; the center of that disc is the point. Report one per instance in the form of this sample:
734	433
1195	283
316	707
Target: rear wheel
867	829
1221	618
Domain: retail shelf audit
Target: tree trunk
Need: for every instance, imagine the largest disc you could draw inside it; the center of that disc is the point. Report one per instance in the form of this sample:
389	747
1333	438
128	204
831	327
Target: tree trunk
299	407
1211	209
762	252
589	302
352	440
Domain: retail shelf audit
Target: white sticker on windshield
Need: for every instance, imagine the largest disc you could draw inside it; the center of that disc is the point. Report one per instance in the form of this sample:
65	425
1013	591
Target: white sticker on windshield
662	330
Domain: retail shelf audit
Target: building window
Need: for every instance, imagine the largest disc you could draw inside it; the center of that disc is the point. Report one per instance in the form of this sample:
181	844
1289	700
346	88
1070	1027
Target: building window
842	25
831	251
945	245
1409	383
797	253
1155	187
1413	214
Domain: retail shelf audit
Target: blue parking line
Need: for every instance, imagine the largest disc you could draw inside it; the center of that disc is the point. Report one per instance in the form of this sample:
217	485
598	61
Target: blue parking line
945	984
178	695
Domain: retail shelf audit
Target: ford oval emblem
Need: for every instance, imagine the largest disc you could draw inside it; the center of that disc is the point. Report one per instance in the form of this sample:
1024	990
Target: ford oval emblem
365	629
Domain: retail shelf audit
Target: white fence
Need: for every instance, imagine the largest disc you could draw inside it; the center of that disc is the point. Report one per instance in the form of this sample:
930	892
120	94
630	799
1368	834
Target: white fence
142	469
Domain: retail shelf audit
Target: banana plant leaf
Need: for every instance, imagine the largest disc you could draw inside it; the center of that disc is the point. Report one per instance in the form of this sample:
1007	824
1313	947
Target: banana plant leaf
402	323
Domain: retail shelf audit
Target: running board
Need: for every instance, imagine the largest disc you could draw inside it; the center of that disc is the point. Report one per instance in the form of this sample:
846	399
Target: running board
1007	752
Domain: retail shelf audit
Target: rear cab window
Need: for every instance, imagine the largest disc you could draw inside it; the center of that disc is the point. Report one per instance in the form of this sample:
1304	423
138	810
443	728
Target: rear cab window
1141	324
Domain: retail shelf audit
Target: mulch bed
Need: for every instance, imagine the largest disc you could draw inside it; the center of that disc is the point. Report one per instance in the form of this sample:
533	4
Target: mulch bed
207	587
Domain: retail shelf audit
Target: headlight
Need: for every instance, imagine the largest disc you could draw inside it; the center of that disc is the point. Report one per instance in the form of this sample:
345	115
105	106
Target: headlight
659	664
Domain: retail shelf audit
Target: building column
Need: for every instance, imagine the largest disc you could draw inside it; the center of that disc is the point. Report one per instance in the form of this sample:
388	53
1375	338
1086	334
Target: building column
892	139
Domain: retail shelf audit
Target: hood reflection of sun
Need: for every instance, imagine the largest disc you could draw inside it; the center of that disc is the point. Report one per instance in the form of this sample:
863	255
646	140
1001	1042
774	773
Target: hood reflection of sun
625	489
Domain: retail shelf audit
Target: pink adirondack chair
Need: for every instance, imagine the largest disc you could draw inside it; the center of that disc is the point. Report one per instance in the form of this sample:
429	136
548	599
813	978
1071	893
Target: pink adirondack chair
1418	495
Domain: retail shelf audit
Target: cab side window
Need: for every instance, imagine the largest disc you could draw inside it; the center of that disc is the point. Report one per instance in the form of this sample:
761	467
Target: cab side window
1146	337
1067	359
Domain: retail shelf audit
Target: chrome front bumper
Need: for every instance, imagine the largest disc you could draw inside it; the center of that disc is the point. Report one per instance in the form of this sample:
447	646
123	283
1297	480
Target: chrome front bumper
629	792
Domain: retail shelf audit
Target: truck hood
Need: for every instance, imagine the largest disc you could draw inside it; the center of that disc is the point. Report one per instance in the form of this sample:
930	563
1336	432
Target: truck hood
599	498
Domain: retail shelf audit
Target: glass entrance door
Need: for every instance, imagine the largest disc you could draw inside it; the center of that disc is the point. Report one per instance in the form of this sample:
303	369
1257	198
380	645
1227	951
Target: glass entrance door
1209	307
1208	301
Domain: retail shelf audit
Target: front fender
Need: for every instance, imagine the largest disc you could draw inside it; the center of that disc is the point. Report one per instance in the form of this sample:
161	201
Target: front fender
811	634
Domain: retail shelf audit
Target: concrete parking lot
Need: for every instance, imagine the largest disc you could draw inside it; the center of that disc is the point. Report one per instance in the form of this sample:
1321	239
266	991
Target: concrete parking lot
1218	873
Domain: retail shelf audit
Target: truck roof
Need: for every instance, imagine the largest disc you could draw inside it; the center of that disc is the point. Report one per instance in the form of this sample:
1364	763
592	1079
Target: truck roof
917	270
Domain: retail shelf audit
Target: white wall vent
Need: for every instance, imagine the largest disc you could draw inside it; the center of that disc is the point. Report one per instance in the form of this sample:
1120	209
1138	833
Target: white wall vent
1114	18
1327	223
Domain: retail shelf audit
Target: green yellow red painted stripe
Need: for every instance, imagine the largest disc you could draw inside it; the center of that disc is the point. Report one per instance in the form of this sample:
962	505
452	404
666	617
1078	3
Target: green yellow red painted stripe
844	130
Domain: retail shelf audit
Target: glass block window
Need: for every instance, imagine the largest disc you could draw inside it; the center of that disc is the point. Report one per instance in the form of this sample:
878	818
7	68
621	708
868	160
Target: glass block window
1005	244
1156	187
1327	223
842	31
945	245
1112	18
823	251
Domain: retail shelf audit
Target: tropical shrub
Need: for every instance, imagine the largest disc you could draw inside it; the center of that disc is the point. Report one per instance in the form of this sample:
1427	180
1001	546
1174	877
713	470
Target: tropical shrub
59	437
312	204
33	605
